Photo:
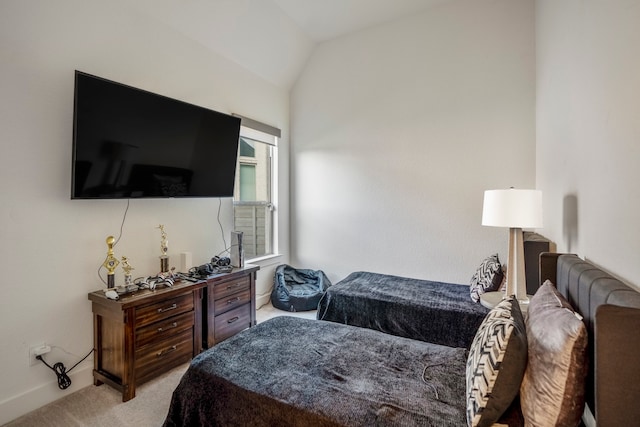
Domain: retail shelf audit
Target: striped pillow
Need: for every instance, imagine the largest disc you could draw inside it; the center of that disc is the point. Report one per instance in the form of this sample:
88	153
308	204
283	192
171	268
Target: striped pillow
487	278
496	363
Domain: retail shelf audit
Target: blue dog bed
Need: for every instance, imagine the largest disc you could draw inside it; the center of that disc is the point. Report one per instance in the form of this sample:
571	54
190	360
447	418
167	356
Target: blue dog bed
298	289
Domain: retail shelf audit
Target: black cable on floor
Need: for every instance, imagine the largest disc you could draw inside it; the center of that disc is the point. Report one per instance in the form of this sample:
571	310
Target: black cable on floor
61	371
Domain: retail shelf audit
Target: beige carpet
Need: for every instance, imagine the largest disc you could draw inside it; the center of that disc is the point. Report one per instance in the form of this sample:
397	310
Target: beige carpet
103	407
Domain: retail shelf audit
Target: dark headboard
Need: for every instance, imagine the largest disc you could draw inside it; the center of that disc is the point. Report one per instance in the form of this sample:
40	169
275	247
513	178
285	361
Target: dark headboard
534	244
611	312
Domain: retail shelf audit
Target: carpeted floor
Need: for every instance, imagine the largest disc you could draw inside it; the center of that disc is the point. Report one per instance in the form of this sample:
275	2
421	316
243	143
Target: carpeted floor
103	407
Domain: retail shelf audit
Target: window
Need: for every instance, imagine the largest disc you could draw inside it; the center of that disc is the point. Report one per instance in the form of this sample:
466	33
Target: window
247	182
254	201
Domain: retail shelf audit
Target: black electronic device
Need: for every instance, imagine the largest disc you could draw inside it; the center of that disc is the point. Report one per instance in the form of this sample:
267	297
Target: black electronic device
131	143
216	266
220	261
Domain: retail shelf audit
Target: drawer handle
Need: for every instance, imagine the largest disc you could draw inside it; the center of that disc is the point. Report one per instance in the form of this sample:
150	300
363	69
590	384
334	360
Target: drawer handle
167	351
232	300
173	325
232	319
235	285
172	307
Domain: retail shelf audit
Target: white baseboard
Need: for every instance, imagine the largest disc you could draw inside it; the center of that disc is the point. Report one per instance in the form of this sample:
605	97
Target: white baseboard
16	406
262	300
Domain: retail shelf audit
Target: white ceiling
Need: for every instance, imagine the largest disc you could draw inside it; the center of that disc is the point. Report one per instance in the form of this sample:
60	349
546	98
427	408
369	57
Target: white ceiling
273	38
323	20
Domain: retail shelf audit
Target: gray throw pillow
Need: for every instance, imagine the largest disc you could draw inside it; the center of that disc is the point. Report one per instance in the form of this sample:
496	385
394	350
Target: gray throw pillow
553	388
487	278
496	363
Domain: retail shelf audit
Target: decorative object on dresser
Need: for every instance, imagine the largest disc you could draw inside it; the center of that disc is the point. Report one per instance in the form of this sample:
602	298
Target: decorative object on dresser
110	262
237	250
515	209
126	268
143	333
164	248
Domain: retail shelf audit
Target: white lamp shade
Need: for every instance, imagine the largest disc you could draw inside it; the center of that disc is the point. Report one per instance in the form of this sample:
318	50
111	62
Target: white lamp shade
512	208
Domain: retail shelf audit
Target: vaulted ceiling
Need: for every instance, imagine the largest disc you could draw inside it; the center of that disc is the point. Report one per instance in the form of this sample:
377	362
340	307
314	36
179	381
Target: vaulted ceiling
274	38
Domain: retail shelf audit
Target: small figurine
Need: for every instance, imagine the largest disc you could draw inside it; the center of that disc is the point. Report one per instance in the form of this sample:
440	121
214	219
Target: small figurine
111	262
164	243
126	267
164	248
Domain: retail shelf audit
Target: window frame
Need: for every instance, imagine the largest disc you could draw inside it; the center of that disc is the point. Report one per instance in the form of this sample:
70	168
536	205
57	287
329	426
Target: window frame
254	131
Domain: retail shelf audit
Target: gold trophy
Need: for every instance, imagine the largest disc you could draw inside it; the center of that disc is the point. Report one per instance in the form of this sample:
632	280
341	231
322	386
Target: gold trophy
126	267
110	263
164	247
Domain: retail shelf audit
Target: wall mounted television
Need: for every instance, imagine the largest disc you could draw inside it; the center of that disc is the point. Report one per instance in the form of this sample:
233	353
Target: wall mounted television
131	143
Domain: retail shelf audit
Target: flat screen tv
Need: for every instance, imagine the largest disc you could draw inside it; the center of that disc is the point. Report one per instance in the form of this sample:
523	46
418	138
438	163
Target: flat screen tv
130	143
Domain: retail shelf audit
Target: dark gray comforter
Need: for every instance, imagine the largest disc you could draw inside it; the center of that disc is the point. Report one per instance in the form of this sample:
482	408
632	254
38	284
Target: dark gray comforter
298	372
436	312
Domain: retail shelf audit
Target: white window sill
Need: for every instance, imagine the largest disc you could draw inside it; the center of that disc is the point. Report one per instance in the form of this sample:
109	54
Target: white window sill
263	259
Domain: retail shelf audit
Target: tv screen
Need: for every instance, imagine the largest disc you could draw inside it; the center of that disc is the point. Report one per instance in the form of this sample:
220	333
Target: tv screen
130	143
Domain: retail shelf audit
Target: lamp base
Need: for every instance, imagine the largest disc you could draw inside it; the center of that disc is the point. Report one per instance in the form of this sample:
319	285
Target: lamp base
516	279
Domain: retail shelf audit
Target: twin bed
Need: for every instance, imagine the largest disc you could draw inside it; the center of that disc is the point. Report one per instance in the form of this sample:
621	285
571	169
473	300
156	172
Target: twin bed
298	372
290	371
435	312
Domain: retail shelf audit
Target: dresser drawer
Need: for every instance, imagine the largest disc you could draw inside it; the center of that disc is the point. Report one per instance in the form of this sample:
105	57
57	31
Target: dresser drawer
232	322
162	310
230	302
224	289
163	355
164	328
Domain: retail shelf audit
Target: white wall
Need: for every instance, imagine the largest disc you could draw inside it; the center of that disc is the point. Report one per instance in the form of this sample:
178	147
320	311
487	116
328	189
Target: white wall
397	131
588	129
52	246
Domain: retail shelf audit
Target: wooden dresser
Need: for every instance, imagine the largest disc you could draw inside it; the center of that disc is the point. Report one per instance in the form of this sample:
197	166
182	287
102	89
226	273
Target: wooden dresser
229	305
145	333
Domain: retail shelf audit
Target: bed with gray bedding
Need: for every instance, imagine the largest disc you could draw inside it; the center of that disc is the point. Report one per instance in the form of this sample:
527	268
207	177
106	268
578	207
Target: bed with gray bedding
290	371
436	312
297	372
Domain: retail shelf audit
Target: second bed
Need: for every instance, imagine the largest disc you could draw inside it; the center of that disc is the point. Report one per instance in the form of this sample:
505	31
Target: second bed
435	312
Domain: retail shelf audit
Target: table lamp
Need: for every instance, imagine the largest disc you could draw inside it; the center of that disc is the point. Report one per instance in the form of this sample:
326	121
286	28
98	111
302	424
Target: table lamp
515	209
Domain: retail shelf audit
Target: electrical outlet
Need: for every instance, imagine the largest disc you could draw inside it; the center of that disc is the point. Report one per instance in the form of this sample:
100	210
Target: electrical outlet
37	350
